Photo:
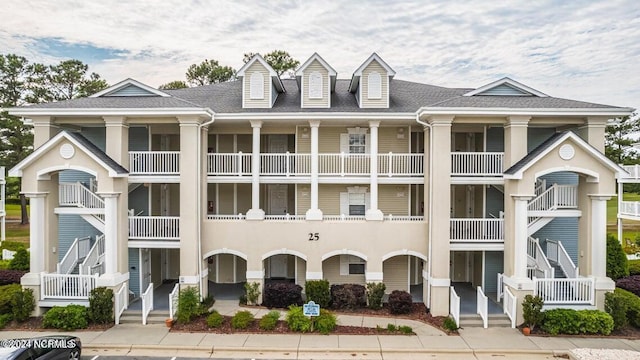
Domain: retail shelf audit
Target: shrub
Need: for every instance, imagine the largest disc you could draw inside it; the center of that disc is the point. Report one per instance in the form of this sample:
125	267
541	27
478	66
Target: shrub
205	304
4	264
270	320
407	330
242	300
11	276
348	296
617	306
391	327
617	266
318	292
449	324
634	267
6	296
22	304
20	260
70	317
4	320
296	321
532	311
630	283
215	320
12	245
282	295
632	302
326	322
400	302
101	305
375	293
252	291
572	322
188	305
242	320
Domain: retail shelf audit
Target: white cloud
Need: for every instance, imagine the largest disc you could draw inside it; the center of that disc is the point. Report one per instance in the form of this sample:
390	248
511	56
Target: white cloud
580	49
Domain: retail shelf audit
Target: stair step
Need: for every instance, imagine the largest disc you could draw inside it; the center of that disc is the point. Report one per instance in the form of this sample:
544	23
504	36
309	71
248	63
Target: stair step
135	317
495	320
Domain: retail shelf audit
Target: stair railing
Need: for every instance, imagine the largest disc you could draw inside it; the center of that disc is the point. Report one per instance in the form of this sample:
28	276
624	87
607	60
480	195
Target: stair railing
76	194
173	301
555	197
147	303
454	305
482	307
557	253
510	303
93	257
121	301
540	261
78	250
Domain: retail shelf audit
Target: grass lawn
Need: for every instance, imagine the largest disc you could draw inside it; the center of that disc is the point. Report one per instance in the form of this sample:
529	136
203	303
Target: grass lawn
13	211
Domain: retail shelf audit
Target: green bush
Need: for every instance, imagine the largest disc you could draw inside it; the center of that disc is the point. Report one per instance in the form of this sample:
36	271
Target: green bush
270	320
242	319
532	311
215	320
617	306
20	260
634	267
326	322
205	305
617	266
22	304
6	296
11	245
391	327
632	302
4	264
70	317
188	305
407	330
296	321
574	322
318	292
450	324
4	320
375	293
252	291
101	305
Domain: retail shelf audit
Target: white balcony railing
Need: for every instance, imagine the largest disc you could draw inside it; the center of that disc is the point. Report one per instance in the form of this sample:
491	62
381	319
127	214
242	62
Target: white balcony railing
76	194
289	217
477	163
565	291
473	229
556	197
147	303
66	286
344	164
154	162
454	305
630	208
235	164
286	164
482	306
78	250
633	170
121	302
391	164
154	227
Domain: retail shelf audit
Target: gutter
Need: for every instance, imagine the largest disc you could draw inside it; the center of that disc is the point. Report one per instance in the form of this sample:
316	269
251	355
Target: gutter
429	256
199	201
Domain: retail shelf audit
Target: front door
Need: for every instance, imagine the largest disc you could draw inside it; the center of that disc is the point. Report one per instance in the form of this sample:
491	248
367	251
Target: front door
459	266
145	269
277	199
278	266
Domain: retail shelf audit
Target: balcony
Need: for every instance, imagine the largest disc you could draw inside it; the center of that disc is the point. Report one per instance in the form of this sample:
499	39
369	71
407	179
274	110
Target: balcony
154	228
630	209
154	163
464	234
347	218
481	164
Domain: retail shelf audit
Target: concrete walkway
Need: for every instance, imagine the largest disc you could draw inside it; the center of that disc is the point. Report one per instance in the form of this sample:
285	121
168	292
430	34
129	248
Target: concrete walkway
473	343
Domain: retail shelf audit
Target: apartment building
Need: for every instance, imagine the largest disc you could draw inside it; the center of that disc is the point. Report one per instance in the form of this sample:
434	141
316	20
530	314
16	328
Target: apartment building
501	189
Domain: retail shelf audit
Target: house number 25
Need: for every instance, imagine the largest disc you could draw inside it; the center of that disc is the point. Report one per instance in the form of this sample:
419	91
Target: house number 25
314	236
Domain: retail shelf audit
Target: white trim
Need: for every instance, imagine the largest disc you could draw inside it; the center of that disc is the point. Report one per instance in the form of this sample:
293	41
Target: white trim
313	275
376	57
506	81
43	174
127	82
317	115
440	282
371	276
254	274
225	251
315	56
275	79
426	111
284	251
376	94
403	252
17	170
344	252
153	244
256	86
593	176
111	111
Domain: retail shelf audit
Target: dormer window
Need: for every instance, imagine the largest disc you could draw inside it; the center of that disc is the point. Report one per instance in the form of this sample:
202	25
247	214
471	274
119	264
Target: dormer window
315	85
374	88
256	84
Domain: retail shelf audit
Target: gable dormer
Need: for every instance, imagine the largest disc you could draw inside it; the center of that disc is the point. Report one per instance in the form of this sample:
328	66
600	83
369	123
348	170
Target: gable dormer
371	82
260	84
505	87
316	81
129	87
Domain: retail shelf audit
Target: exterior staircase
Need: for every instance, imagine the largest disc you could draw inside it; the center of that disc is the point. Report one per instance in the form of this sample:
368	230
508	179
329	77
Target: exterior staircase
135	317
79	196
475	321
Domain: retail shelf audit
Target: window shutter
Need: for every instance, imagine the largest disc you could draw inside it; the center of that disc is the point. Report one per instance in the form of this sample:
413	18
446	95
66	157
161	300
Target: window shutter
344	143
344	203
315	85
374	86
344	264
367	142
367	201
256	86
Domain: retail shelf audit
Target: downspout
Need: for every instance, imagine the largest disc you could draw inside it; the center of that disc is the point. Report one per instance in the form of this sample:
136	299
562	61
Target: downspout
429	256
199	203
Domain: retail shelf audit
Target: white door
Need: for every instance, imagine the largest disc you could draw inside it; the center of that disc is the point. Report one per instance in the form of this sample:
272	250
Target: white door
278	266
277	199
145	269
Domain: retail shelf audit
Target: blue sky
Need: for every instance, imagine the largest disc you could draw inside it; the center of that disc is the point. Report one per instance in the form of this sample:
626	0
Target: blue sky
585	50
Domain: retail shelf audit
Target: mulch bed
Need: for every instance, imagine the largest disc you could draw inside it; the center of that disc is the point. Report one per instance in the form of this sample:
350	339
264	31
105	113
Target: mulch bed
35	324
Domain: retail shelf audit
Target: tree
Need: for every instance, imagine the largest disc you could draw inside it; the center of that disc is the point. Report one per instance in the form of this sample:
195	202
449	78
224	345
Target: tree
618	139
279	60
67	80
209	72
176	84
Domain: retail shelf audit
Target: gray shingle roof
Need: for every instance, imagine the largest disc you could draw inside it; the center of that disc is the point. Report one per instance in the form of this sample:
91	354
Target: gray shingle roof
98	153
534	153
405	96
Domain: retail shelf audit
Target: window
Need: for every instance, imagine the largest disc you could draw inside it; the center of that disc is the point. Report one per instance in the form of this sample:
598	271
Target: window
351	265
374	86
256	86
357	143
355	201
315	85
357	205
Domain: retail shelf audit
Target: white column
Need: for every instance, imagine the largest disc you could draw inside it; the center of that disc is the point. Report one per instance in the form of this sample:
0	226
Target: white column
110	232
520	222
373	213
37	231
314	213
599	235
255	213
619	220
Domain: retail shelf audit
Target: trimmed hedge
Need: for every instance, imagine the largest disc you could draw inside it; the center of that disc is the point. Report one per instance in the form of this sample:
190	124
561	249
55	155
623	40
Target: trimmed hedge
630	302
400	302
348	296
318	292
630	283
634	267
282	295
11	276
617	266
101	305
20	260
575	322
70	317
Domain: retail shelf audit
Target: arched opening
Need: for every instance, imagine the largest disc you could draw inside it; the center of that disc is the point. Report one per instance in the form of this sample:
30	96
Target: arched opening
344	269
227	275
285	267
404	272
